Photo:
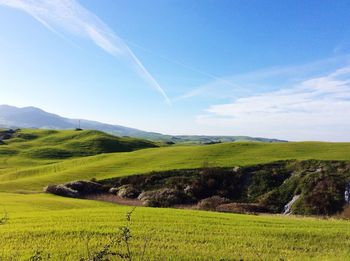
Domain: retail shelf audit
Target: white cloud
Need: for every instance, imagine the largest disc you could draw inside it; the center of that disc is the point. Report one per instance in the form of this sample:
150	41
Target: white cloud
70	16
259	81
314	109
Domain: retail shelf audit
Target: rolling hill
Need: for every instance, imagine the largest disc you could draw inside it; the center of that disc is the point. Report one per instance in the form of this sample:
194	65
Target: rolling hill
27	165
46	225
53	144
31	117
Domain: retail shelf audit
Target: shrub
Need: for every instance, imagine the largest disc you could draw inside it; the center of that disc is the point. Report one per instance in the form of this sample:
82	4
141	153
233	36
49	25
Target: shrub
265	180
276	199
322	194
61	190
346	213
85	187
127	191
212	203
162	198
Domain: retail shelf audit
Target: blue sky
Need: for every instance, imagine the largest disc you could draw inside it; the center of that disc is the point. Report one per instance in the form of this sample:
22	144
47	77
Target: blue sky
276	69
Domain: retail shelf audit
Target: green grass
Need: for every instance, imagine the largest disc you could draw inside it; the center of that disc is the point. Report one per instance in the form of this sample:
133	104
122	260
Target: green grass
19	173
53	144
62	227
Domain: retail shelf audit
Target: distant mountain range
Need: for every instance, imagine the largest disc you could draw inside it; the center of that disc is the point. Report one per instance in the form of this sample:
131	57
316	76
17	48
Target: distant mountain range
32	117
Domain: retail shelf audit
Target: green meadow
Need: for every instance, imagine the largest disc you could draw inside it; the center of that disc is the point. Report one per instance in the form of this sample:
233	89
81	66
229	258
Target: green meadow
24	170
67	229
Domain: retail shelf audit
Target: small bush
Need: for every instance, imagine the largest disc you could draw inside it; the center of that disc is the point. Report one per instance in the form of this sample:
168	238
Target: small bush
322	194
126	191
212	203
346	213
61	190
86	187
162	198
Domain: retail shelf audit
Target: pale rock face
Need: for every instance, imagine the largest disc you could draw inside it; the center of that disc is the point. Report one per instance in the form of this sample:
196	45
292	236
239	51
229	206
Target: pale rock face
347	194
288	207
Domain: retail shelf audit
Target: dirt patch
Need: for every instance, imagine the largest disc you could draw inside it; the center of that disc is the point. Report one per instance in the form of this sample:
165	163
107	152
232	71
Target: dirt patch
115	199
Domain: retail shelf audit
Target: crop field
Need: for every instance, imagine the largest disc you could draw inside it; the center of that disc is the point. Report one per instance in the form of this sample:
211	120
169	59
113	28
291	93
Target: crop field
68	228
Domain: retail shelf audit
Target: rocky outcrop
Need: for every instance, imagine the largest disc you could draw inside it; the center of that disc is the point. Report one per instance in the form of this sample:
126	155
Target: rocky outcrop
162	198
75	189
6	134
212	203
61	190
85	187
125	191
288	207
322	188
347	194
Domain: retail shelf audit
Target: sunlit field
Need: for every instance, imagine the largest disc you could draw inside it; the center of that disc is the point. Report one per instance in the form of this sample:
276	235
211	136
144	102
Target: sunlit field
21	171
67	229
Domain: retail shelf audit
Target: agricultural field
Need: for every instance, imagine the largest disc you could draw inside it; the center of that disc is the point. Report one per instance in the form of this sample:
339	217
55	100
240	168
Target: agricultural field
43	225
67	228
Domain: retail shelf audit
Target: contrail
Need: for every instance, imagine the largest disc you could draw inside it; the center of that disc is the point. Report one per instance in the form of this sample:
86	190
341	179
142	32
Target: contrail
209	75
70	16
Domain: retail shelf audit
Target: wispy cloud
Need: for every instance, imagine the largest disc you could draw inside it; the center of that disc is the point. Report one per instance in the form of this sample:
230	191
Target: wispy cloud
262	80
70	16
313	109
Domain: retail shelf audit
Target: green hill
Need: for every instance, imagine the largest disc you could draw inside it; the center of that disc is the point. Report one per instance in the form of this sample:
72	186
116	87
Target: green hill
27	165
31	117
53	144
51	225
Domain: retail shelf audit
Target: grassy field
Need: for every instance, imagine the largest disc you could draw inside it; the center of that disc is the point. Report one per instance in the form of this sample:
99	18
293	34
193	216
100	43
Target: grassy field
20	172
63	227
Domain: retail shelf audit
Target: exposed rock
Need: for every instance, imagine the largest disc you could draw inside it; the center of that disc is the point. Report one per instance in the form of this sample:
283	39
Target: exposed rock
85	187
323	185
162	198
127	191
188	190
288	207
143	195
113	190
61	190
75	189
5	135
236	169
347	194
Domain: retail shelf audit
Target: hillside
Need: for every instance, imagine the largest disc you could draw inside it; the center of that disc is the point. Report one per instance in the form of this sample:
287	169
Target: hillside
53	144
31	117
48	225
21	172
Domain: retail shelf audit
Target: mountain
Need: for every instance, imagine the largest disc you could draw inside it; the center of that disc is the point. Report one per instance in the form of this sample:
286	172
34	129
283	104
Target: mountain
32	117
